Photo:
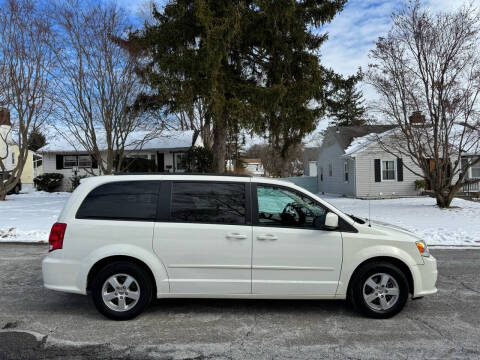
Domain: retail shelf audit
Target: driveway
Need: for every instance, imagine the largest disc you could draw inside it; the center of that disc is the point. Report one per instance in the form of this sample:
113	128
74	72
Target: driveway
36	322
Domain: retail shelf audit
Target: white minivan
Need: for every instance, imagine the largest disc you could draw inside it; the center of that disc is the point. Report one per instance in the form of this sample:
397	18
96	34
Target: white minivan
128	238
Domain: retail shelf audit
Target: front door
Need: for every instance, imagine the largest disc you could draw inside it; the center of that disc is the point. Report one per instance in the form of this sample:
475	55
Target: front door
206	241
160	162
292	255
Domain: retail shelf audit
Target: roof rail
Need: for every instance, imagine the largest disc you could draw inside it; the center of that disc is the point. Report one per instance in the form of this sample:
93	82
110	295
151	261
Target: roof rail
183	173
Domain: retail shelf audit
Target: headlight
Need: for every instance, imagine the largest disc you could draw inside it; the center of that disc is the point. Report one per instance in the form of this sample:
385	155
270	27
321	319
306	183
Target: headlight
422	248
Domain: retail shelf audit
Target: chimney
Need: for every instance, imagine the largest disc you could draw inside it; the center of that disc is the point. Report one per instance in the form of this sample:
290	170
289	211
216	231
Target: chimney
417	118
5	117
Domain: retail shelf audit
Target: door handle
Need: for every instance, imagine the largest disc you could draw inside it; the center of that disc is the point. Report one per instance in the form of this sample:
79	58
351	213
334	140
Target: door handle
267	237
236	236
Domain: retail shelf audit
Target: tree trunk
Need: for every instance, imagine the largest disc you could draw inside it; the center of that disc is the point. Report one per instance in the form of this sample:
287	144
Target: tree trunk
219	146
284	171
3	195
443	200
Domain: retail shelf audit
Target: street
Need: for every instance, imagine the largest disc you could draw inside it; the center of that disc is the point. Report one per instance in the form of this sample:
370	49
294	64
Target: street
39	323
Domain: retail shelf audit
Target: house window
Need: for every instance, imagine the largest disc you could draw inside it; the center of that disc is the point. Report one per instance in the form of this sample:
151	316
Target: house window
345	171
475	171
330	169
84	161
13	158
321	174
69	161
179	162
388	170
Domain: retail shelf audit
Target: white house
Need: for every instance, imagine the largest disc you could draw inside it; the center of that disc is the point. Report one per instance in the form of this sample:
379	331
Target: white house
166	151
351	162
6	143
254	166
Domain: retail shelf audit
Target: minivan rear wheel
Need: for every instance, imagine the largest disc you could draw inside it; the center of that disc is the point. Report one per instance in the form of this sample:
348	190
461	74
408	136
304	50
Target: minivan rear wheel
379	290
121	290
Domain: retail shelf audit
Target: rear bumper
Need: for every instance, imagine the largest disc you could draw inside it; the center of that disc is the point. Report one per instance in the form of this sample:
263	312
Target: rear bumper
61	274
426	280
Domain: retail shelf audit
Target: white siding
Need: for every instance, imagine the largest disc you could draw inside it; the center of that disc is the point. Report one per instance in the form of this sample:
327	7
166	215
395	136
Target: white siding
50	166
312	168
5	146
365	176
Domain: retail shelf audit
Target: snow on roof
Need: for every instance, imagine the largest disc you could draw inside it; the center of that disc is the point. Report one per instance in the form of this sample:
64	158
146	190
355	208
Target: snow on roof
138	140
360	143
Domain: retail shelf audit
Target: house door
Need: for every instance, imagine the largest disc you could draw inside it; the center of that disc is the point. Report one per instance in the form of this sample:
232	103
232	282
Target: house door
160	162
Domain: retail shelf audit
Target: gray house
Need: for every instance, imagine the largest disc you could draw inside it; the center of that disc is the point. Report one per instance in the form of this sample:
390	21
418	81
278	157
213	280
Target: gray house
352	163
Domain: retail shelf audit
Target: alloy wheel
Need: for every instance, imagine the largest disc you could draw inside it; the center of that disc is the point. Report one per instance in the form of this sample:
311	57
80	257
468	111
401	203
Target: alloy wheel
120	292
381	291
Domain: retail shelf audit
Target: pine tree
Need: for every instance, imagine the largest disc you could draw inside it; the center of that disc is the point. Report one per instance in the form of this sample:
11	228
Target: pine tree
252	63
346	106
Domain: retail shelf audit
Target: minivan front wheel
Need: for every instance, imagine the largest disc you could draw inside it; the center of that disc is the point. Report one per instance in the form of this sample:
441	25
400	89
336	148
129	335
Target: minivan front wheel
121	290
379	290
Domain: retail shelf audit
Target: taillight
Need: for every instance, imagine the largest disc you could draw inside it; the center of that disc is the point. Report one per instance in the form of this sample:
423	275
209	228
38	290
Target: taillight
56	236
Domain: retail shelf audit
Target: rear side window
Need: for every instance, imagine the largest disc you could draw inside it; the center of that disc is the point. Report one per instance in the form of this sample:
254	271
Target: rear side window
126	200
208	202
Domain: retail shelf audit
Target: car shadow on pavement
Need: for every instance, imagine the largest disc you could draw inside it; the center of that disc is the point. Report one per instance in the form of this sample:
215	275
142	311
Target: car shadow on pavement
264	306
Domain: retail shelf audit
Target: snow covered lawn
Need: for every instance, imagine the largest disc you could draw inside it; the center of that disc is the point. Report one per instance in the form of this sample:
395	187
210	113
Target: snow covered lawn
29	217
459	225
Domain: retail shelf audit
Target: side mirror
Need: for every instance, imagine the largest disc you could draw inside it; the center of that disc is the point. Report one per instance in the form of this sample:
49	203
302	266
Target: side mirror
331	221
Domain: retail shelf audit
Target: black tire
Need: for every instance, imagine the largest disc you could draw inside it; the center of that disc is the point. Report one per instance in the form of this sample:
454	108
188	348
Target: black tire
16	190
142	278
356	291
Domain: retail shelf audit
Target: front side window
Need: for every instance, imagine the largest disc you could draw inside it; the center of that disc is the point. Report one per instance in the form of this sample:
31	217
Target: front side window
281	207
125	200
208	202
84	161
388	170
69	161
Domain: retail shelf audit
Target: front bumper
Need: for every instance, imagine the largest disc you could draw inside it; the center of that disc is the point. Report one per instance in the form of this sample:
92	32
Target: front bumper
426	278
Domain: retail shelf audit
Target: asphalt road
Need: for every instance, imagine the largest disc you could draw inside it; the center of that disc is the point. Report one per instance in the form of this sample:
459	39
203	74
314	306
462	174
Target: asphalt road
39	323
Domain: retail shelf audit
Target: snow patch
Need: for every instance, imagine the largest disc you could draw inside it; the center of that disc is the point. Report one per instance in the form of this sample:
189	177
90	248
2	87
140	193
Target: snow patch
28	217
359	143
458	225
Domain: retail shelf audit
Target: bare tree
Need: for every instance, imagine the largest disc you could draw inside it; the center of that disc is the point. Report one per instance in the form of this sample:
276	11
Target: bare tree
25	61
97	84
427	72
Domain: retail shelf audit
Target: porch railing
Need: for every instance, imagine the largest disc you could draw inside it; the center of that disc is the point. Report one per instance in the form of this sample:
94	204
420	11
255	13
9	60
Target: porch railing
471	188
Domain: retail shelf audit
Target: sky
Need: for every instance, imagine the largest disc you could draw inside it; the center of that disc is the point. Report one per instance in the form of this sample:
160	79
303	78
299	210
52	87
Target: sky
351	34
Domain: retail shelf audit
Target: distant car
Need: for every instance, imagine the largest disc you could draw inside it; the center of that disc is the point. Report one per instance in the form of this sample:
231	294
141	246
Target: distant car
127	239
16	190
